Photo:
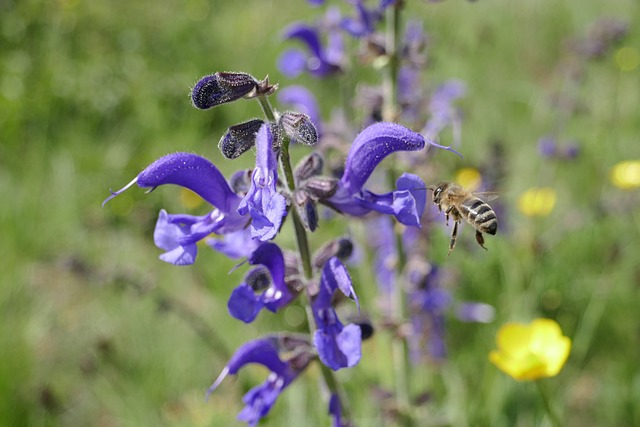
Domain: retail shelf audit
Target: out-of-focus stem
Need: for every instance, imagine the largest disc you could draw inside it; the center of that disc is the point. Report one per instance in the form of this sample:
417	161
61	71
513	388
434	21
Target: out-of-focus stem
390	113
390	83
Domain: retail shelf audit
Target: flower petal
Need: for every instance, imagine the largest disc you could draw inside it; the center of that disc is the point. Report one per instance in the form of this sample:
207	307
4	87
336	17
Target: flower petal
193	172
371	146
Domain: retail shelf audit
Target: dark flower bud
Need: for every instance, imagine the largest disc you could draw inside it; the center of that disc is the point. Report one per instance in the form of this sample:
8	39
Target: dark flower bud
259	279
341	248
299	128
239	138
320	187
306	208
219	88
309	166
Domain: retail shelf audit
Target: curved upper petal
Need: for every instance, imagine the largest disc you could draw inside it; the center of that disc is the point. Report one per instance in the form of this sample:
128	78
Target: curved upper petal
193	172
371	146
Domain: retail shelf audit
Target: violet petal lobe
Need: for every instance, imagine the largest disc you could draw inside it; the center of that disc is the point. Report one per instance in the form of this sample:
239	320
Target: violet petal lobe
193	172
371	146
244	304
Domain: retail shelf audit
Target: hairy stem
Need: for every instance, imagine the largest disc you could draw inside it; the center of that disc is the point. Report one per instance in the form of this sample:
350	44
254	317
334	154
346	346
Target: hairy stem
305	255
390	113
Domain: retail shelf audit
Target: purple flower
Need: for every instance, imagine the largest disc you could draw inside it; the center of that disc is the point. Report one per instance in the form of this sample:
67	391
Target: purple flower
365	22
383	242
338	346
443	113
261	288
266	352
429	302
320	62
238	244
266	206
178	234
369	148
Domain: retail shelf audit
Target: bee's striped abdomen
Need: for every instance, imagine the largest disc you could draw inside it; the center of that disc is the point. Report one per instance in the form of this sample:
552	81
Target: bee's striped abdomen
480	215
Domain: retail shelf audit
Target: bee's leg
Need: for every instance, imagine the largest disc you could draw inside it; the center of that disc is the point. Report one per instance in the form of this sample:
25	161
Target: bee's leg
446	215
480	239
454	235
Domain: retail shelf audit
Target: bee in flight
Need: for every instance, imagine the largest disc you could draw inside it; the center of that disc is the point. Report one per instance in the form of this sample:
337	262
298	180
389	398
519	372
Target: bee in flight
462	204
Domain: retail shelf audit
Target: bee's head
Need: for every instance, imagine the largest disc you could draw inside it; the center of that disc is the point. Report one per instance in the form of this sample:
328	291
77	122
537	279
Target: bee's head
437	191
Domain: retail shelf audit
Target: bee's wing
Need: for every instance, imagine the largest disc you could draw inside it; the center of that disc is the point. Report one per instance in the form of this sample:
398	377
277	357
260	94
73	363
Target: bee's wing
487	196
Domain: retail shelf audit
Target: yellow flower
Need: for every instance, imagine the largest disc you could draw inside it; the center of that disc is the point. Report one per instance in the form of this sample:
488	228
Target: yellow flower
537	201
469	178
531	351
626	175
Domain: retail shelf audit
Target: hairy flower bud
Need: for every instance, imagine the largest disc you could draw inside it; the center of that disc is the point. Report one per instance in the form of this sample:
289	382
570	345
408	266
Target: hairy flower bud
320	187
307	210
309	166
342	248
239	138
219	88
299	128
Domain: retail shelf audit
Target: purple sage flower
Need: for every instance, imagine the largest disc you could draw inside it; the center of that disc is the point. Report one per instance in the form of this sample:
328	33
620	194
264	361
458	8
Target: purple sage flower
369	148
443	113
178	234
262	288
338	346
365	22
266	352
321	61
266	206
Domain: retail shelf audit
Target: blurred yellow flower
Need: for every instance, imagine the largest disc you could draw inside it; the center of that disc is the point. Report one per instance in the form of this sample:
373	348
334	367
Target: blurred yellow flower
626	175
189	199
531	351
469	178
537	201
628	58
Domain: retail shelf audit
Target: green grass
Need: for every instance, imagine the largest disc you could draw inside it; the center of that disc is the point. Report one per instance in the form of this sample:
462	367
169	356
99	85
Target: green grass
95	330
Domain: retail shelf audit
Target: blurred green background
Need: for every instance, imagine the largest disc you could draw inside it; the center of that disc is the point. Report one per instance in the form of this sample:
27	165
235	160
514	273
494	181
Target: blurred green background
95	330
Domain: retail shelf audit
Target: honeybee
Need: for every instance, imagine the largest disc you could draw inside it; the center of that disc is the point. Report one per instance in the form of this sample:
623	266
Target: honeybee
462	204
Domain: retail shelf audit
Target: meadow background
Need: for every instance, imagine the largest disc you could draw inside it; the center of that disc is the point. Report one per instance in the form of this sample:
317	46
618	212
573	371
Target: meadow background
95	330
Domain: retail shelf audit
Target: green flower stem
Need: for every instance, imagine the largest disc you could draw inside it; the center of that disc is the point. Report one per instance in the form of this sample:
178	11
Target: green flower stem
390	113
305	255
266	108
553	415
390	82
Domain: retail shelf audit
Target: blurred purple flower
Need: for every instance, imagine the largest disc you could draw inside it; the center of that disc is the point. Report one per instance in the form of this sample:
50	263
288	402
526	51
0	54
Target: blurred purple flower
266	352
369	148
475	312
320	61
443	113
338	346
383	242
178	234
365	21
549	148
266	206
260	290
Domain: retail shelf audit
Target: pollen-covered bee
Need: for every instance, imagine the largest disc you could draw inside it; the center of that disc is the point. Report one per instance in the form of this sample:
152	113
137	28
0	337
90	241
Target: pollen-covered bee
462	204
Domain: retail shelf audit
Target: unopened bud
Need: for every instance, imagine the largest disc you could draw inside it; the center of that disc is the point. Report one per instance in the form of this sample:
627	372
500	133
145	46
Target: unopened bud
309	166
299	128
341	248
320	187
308	213
219	88
239	138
